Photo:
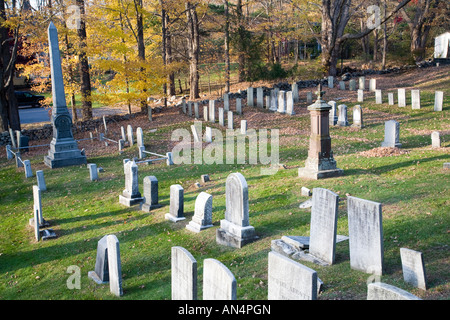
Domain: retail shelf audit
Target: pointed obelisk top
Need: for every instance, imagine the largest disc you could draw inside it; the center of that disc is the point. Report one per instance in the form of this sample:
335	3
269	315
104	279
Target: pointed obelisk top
59	97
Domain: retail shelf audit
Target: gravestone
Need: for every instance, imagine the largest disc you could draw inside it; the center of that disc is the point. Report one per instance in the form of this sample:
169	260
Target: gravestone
183	274
290	280
122	133
413	268
391	134
330	82
391	98
260	97
415	99
189	105
139	137
131	195
365	231
309	97
372	85
435	139
196	111
37	208
384	291
176	209
93	173
121	145
27	168
289	103
239	106
333	113
63	147
438	100
357	117
202	218
360	95
41	180
342	117
114	266
341	85
324	215
401	97
267	100
208	134
282	101
205	113
362	83
243	126
378	96
221	117
150	194
100	275
226	102
295	95
219	282
130	135
250	97
230	122
273	100
212	111
235	230
183	105
352	85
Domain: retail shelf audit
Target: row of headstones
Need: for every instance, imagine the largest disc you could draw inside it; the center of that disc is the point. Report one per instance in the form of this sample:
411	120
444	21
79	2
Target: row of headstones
365	244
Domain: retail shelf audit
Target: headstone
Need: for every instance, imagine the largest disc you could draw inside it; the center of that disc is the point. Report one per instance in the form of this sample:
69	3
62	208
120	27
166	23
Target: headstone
235	230
35	221
282	101
305	192
267	100
226	102
131	195
130	135
202	218
290	280
372	85
435	139
360	95
273	100
250	97
205	178
365	231
195	133
189	104
357	117
309	98
176	209
169	159
219	282
37	207
63	147
362	83
289	103
239	106
341	85
100	275
391	98
415	99
149	113
13	138
378	96
122	133
208	134
401	97
438	100
19	162
150	194
330	82
333	113
41	180
139	137
384	291
183	274
413	268
324	215
183	105
243	126
295	95
9	154
221	117
114	266
342	117
260	97
27	169
391	134
230	122
196	111
205	113
121	145
352	85
93	173
212	111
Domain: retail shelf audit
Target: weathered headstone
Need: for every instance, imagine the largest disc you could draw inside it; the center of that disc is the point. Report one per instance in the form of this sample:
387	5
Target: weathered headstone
415	99
243	126
100	275
401	97
196	111
27	169
391	98
365	230
235	230
378	96
93	173
384	291
230	123
202	218
183	274
183	105
139	137
212	111
41	180
342	117
150	194
250	97
239	106
289	103
290	280
189	105
176	209
360	95
330	82
219	282
260	97
333	113
122	133
352	85
282	101
435	139
221	117
357	117
438	100
130	135
114	266
362	83
226	102
309	97
273	100
413	268
295	94
131	195
205	113
267	100
391	134
372	85
63	147
208	134
341	85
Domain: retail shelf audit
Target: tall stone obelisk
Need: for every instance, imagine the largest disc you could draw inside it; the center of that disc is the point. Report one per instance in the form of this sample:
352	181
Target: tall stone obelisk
320	162
63	147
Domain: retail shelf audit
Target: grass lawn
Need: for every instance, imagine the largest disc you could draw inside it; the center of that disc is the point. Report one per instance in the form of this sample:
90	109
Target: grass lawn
413	188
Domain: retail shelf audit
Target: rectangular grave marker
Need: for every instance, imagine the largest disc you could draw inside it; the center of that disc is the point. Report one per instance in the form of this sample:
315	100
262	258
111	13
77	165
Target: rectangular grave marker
183	274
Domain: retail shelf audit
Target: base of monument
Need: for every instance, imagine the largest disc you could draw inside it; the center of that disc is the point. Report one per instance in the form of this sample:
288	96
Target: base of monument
66	162
129	201
230	240
149	207
45	224
93	276
313	174
170	217
47	234
389	145
195	227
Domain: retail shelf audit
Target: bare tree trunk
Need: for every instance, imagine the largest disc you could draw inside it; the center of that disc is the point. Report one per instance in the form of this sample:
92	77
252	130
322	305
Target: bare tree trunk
193	41
241	36
140	43
227	48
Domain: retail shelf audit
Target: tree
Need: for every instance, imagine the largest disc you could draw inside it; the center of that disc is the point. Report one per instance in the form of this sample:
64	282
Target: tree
193	48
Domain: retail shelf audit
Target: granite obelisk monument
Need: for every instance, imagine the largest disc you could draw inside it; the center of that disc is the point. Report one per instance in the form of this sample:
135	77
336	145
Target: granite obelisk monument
320	162
63	147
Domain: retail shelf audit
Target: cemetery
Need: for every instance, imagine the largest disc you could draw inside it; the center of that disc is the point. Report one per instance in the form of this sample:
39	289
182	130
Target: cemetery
348	210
